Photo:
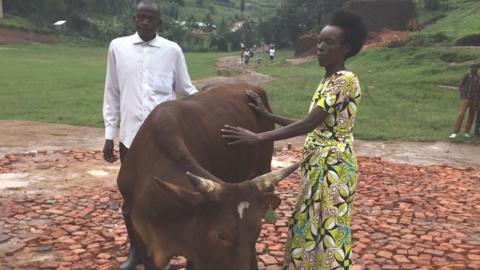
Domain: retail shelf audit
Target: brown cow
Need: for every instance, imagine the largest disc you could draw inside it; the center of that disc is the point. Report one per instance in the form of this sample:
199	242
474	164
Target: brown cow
213	223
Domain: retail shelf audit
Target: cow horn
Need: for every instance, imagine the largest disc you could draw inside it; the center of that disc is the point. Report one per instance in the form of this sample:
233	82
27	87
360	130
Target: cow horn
265	181
205	186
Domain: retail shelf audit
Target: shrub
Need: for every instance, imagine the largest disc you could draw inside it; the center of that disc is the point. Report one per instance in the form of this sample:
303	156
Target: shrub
470	40
421	40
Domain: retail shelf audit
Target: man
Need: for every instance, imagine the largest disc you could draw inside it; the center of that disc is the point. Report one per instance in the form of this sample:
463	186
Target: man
271	53
143	71
469	90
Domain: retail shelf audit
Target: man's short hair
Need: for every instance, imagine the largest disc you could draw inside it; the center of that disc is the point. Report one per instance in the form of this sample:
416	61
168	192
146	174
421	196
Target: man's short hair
149	3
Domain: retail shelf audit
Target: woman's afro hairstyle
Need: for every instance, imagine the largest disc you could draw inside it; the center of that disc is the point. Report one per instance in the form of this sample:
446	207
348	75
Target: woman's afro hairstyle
353	28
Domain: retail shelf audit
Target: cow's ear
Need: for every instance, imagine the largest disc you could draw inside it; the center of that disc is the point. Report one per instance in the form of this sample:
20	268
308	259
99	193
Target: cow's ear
181	195
270	200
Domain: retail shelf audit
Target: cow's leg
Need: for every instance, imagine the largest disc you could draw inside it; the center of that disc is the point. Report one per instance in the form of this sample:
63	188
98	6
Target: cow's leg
149	264
190	266
254	260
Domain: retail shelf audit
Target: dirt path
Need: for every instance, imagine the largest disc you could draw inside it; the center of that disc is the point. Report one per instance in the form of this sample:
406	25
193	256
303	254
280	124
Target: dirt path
231	70
66	146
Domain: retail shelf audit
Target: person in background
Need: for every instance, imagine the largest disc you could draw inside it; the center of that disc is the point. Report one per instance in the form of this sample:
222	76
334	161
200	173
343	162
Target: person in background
246	56
271	53
258	56
477	122
320	230
143	70
469	91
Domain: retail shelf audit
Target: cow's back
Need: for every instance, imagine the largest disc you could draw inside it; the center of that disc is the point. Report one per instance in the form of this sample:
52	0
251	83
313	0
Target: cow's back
194	125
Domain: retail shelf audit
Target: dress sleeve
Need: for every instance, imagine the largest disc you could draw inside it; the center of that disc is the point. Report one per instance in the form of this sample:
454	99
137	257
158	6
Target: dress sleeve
336	92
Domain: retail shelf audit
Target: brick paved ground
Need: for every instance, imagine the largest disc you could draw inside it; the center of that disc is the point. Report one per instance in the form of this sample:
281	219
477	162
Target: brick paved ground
405	217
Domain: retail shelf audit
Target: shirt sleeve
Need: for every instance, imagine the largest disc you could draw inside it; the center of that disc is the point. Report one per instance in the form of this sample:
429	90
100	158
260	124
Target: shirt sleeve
183	84
111	100
336	93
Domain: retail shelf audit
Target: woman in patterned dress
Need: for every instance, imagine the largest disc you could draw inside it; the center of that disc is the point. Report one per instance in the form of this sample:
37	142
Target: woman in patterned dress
320	235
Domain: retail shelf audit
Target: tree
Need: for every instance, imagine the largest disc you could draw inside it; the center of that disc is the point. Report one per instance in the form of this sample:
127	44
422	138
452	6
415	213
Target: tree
1	9
242	5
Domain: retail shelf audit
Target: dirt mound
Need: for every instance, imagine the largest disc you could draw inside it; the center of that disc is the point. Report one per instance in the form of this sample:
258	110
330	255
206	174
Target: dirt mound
306	44
384	37
398	15
17	35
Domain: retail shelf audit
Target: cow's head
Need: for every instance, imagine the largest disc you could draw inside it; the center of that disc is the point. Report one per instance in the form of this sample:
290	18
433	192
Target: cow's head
227	219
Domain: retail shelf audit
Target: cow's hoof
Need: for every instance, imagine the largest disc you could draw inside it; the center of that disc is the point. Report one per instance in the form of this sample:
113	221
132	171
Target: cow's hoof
131	263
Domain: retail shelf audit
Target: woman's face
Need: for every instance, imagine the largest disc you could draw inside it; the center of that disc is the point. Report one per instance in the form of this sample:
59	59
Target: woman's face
331	46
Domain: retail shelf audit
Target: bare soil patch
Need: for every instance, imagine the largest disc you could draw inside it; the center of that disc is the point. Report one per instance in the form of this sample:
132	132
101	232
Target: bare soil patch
16	35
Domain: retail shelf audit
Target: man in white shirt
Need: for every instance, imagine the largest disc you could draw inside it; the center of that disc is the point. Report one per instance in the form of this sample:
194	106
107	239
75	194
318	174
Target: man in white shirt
143	71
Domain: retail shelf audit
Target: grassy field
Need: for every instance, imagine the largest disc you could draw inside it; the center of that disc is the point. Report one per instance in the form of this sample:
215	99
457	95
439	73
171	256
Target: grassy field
461	19
402	99
64	84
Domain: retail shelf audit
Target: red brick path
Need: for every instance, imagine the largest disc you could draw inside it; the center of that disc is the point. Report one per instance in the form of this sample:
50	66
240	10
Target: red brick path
405	217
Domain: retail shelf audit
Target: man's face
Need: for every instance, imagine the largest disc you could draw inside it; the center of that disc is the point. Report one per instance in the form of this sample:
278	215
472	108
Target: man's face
474	69
147	21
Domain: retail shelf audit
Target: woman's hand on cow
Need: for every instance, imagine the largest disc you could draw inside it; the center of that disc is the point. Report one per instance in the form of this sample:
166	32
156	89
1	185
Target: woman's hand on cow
257	104
239	135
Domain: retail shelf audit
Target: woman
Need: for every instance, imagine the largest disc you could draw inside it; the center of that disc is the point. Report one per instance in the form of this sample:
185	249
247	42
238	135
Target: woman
320	231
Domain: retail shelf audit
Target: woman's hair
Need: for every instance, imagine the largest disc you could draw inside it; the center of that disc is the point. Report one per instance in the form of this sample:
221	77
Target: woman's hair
353	28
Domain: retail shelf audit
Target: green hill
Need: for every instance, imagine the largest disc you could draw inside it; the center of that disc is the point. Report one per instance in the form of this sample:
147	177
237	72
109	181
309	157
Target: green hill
410	89
254	9
458	19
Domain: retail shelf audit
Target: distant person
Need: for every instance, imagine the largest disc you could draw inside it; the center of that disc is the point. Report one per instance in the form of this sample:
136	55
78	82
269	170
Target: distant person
246	56
143	70
320	229
271	53
469	91
258	56
242	55
477	123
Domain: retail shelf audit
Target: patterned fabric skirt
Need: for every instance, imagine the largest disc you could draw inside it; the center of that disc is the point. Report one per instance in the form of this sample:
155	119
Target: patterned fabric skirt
320	235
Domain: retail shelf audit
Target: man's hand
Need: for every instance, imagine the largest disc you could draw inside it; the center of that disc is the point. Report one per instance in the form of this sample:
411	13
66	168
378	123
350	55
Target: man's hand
257	104
108	155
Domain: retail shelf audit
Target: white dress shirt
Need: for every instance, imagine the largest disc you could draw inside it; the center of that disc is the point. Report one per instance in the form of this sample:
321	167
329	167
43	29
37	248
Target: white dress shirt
141	75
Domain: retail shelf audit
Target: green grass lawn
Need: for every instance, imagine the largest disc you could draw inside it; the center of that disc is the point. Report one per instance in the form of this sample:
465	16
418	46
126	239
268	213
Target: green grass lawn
402	99
64	84
401	96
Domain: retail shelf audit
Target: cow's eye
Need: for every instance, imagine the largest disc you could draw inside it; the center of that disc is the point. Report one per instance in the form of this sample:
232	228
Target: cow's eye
220	236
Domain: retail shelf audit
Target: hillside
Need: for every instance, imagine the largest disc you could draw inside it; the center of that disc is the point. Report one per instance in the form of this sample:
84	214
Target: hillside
254	9
459	19
410	88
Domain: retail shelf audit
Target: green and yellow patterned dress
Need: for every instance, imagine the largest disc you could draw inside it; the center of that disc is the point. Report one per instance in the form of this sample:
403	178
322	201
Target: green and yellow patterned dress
320	234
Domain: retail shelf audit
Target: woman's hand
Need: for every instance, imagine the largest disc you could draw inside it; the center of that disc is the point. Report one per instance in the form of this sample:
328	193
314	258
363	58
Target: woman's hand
239	135
257	104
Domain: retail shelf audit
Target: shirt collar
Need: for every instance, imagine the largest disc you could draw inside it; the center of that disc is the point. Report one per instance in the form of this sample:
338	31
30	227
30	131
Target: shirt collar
156	42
